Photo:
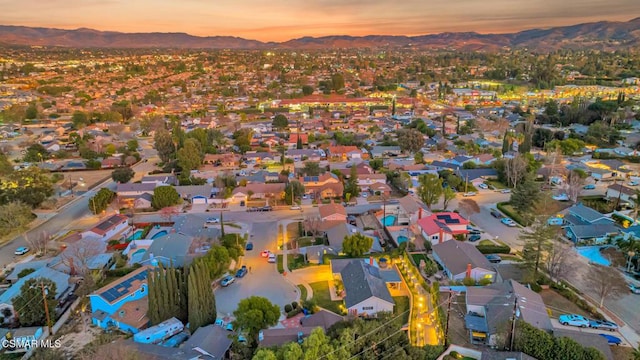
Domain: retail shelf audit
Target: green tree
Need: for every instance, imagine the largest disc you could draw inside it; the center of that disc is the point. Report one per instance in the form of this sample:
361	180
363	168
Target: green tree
410	140
312	168
318	345
290	351
293	187
36	153
551	108
5	164
280	122
537	241
202	305
448	194
429	189
525	196
31	112
31	186
337	82
307	90
351	187
190	156
122	175
165	196
356	245
163	142
79	119
132	145
419	158
242	139
14	216
255	313
376	164
101	200
264	354
31	312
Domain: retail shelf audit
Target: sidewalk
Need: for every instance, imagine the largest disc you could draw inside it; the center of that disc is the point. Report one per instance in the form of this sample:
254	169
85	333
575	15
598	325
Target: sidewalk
288	275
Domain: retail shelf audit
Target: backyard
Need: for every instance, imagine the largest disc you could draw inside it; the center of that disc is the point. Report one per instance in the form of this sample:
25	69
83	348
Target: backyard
402	307
322	297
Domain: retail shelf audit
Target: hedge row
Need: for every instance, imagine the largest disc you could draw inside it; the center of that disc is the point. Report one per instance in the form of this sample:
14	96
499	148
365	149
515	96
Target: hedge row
494	249
513	215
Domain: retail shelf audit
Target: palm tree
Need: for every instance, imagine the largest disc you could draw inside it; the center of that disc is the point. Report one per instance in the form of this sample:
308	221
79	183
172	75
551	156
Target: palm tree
636	353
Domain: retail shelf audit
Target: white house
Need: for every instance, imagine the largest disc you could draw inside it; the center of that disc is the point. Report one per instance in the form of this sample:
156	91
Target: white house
443	226
108	228
366	292
619	191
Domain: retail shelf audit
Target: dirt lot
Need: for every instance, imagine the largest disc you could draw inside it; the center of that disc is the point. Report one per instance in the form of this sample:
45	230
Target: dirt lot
559	305
91	178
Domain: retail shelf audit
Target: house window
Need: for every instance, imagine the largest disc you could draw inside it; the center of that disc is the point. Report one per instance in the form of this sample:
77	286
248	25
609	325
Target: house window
142	289
367	308
434	237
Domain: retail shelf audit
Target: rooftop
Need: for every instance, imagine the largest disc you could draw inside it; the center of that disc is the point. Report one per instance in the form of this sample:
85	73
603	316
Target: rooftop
124	286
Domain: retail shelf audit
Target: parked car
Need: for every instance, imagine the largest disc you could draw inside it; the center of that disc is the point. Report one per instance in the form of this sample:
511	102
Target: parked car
271	258
483	186
473	238
589	187
241	272
265	253
493	258
468	194
21	250
496	214
213	220
633	183
266	208
561	197
573	320
603	325
612	340
229	327
505	191
364	195
634	289
508	222
227	280
296	207
249	246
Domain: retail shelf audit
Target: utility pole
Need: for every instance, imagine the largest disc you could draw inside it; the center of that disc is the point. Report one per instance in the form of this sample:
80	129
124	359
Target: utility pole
466	183
46	306
513	323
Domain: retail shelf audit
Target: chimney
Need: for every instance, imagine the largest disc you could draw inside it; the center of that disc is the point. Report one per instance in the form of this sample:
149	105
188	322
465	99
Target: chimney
468	270
441	237
419	213
371	260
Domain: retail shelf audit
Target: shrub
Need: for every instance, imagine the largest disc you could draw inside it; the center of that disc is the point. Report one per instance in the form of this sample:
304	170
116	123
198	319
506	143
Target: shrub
294	304
293	312
494	249
468	281
485	282
427	245
288	308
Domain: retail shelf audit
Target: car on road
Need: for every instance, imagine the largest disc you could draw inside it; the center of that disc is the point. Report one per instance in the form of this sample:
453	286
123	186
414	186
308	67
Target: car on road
265	253
21	250
634	289
496	214
633	183
241	272
271	258
612	340
508	222
249	246
213	220
473	238
266	208
603	325
589	187
295	207
483	186
468	194
573	320
227	280
229	327
505	191
493	258
560	197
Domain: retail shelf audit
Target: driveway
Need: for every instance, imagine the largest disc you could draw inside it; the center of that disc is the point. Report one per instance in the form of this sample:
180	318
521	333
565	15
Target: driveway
263	280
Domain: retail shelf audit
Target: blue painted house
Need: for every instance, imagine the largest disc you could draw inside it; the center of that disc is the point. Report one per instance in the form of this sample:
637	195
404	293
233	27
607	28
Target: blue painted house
122	304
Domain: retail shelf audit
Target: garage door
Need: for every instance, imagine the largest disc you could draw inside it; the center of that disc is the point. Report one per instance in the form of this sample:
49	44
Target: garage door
199	200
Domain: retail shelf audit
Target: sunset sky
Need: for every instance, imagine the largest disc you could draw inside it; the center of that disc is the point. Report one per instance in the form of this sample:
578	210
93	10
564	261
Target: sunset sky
278	20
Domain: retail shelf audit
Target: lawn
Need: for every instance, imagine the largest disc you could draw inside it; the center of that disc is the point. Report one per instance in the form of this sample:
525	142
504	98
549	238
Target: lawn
322	297
496	184
402	305
417	257
486	242
294	261
560	305
303	292
293	231
309	240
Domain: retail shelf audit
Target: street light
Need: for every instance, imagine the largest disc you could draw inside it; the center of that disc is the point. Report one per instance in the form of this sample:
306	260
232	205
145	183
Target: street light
631	254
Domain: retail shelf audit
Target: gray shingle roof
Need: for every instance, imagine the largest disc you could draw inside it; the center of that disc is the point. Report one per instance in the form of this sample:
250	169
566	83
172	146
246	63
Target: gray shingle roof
456	255
173	247
584	212
593	230
362	281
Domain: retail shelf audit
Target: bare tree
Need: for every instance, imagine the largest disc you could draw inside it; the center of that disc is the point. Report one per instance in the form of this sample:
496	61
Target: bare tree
77	255
515	169
558	262
575	182
38	242
312	225
607	282
167	213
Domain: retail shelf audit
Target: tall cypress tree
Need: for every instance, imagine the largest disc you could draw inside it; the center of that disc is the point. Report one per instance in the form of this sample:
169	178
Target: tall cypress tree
152	312
172	292
195	317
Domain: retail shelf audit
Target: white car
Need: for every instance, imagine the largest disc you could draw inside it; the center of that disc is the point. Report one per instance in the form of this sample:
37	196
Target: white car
467	194
633	183
295	207
505	191
508	222
561	197
271	258
213	220
21	250
483	186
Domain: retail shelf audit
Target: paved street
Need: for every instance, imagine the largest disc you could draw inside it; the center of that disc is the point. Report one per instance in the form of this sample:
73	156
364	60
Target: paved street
263	280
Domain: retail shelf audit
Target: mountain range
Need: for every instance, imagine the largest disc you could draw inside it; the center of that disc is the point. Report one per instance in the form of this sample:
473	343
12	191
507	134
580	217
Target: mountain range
604	35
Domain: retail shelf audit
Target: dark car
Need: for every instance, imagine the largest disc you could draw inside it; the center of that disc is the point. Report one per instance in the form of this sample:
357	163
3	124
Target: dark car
473	238
241	272
266	208
249	246
493	258
612	340
496	214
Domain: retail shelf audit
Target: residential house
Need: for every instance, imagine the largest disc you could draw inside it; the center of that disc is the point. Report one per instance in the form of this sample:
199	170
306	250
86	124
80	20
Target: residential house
122	304
461	260
59	278
476	176
24	336
160	179
407	210
332	212
490	308
324	186
484	159
385	151
262	157
443	226
621	194
173	249
586	225
111	162
108	228
366	291
305	154
293	139
196	194
380	189
367	180
224	160
344	153
131	190
601	174
258	191
336	231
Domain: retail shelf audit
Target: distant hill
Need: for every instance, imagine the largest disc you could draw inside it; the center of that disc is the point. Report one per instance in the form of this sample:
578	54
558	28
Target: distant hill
605	35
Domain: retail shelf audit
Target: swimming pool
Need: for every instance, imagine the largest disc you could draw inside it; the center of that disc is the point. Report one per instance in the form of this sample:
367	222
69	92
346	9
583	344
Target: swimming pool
388	220
402	239
160	233
137	235
594	255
